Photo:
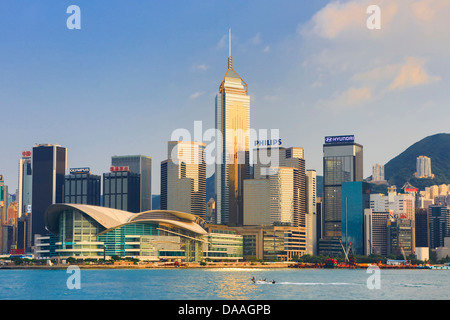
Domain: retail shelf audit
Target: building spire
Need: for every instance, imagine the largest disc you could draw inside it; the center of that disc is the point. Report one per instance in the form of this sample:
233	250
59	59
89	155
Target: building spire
230	59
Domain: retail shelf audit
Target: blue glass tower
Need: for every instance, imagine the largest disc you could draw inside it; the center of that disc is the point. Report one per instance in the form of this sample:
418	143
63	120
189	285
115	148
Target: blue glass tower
355	198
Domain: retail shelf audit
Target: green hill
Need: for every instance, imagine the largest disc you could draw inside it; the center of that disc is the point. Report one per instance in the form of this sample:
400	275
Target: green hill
401	168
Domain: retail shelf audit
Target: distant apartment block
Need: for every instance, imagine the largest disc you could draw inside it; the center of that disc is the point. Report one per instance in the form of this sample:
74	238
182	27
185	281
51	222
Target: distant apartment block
378	174
423	168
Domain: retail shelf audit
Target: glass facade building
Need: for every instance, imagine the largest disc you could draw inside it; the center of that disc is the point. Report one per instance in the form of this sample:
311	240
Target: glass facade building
400	237
82	188
183	178
141	165
355	198
342	162
24	199
232	120
121	190
91	231
439	223
49	167
223	245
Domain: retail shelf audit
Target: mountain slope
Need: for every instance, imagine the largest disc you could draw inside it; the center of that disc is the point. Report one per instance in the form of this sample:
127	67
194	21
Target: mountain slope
401	168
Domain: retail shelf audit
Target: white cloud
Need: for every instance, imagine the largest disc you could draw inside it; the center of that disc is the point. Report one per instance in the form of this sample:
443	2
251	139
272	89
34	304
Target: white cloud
195	95
350	98
223	42
256	40
355	66
411	74
201	67
338	19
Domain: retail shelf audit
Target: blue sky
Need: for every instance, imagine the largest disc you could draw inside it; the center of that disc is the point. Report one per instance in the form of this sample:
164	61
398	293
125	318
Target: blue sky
138	70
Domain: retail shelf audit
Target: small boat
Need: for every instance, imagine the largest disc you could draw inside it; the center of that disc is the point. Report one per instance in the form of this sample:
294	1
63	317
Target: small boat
262	281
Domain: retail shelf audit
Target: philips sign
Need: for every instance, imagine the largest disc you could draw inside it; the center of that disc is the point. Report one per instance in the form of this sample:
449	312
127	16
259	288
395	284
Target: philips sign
268	143
340	139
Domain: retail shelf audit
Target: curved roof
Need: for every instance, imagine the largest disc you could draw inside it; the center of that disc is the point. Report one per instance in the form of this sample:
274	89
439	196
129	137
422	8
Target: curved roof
107	217
112	218
181	219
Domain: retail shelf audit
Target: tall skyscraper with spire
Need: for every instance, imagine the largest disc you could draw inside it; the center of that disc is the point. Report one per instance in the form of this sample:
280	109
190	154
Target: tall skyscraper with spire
233	123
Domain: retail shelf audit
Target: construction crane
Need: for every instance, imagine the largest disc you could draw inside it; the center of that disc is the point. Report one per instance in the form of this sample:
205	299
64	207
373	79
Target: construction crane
348	259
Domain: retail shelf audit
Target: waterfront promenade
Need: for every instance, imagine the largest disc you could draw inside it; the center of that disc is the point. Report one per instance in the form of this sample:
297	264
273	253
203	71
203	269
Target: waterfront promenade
223	265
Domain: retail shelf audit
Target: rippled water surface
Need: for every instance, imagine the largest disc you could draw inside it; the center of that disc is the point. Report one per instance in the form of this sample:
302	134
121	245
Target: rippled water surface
220	284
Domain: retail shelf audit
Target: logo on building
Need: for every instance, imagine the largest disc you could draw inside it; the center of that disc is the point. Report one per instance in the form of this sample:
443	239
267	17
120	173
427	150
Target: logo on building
340	139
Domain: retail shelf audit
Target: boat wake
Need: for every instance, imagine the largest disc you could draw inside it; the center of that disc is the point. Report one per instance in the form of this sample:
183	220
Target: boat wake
320	283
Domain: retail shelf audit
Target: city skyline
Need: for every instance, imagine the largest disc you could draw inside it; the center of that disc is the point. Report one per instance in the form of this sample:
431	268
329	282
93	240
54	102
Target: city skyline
108	89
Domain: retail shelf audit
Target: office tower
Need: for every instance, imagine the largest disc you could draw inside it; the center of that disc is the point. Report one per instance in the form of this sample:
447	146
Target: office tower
378	173
294	158
311	209
3	213
278	187
401	205
49	163
82	187
121	189
274	200
211	211
400	237
257	202
342	162
233	123
423	167
439	222
25	184
355	199
143	166
375	232
24	197
319	216
183	178
421	224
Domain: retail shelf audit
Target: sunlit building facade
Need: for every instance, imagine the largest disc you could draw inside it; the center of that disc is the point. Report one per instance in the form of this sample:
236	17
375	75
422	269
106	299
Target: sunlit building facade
183	178
141	165
233	123
84	231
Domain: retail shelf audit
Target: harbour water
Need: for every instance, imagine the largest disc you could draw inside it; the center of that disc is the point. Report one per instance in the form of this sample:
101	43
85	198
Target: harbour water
225	284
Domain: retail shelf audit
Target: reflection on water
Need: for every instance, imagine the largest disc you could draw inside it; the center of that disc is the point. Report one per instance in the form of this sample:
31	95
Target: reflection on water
229	286
224	284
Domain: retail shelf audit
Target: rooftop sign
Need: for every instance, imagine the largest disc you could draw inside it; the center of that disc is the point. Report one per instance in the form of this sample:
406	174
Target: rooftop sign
26	154
340	139
119	169
79	170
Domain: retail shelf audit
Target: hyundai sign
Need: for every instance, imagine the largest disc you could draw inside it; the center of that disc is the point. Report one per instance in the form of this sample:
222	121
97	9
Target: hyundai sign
340	139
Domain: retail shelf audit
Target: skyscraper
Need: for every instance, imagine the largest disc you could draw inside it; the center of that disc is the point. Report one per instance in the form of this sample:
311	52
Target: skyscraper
49	163
311	209
342	162
277	194
143	166
355	199
121	189
24	202
233	123
82	187
439	224
183	178
3	211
